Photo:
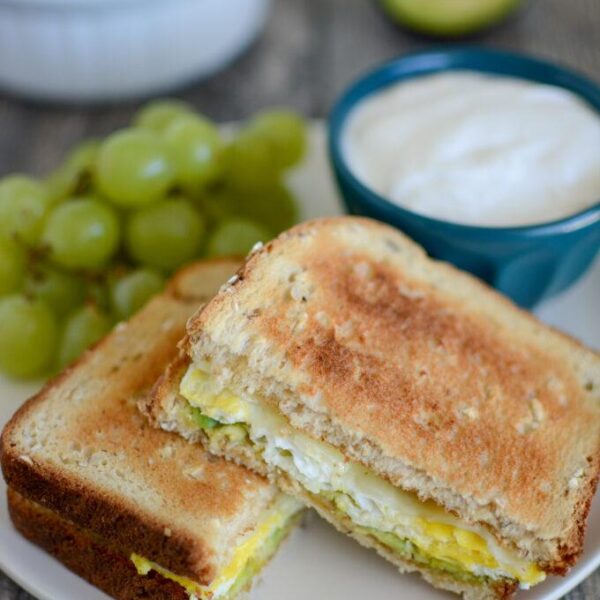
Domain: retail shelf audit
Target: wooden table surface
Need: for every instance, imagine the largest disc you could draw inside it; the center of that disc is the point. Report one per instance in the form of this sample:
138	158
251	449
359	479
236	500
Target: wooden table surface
309	52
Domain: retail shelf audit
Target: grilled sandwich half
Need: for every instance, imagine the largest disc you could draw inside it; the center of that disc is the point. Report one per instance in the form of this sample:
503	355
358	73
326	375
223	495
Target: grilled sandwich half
412	406
132	509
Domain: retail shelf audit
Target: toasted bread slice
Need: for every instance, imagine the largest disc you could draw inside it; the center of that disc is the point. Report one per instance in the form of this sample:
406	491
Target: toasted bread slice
419	372
101	565
81	449
198	282
97	560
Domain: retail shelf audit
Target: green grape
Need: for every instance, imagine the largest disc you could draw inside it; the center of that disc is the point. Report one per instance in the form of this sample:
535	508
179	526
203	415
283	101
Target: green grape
195	149
24	203
285	132
131	292
60	291
133	168
165	235
74	176
28	336
83	328
12	267
157	116
82	233
98	293
272	206
216	206
249	162
235	237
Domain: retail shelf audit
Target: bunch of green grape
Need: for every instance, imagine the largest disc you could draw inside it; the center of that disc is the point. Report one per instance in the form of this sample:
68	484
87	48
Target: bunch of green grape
89	245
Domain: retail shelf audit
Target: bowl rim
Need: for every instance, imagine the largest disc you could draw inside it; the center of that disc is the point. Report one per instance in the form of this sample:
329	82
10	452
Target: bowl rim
444	59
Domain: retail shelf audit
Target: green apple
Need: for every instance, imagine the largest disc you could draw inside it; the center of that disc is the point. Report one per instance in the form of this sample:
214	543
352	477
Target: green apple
449	18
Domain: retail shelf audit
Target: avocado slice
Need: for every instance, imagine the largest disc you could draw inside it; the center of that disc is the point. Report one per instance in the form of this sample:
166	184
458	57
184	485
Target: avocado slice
203	421
449	18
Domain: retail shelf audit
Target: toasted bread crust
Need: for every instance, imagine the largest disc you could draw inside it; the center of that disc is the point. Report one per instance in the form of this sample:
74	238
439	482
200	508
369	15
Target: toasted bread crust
163	397
156	495
198	282
107	518
99	564
402	360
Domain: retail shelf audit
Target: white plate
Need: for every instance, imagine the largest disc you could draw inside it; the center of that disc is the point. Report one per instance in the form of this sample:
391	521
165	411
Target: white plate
316	562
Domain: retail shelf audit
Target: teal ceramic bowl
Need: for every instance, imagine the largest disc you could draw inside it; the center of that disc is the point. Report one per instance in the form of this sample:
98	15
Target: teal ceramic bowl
528	263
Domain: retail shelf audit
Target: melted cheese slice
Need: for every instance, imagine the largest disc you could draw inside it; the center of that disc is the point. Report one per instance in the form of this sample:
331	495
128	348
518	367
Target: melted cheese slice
250	547
368	500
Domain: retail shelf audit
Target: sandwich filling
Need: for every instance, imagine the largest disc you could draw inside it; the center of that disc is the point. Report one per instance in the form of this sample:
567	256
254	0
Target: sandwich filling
247	559
415	530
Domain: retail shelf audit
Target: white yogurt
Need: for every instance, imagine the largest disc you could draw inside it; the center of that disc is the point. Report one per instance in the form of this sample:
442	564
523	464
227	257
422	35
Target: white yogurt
476	149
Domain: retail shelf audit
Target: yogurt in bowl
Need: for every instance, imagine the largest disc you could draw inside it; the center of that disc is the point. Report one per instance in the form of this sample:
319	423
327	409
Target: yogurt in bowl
471	148
508	194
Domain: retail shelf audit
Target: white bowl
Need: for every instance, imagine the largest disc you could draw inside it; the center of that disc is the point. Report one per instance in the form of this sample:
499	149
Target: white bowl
97	50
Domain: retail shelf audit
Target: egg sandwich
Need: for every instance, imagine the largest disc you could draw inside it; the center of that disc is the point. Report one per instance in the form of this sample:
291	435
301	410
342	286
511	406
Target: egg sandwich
134	510
412	406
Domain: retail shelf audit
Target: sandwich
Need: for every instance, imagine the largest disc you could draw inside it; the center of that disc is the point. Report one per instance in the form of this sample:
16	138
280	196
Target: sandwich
134	510
413	407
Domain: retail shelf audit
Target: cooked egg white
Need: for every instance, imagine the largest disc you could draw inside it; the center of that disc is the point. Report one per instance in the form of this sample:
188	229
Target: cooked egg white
250	547
368	500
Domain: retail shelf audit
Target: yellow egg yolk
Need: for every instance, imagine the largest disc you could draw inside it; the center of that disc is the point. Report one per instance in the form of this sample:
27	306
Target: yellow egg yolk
251	545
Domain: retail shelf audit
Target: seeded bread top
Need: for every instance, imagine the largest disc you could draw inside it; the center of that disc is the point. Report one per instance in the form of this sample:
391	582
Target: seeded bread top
421	372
